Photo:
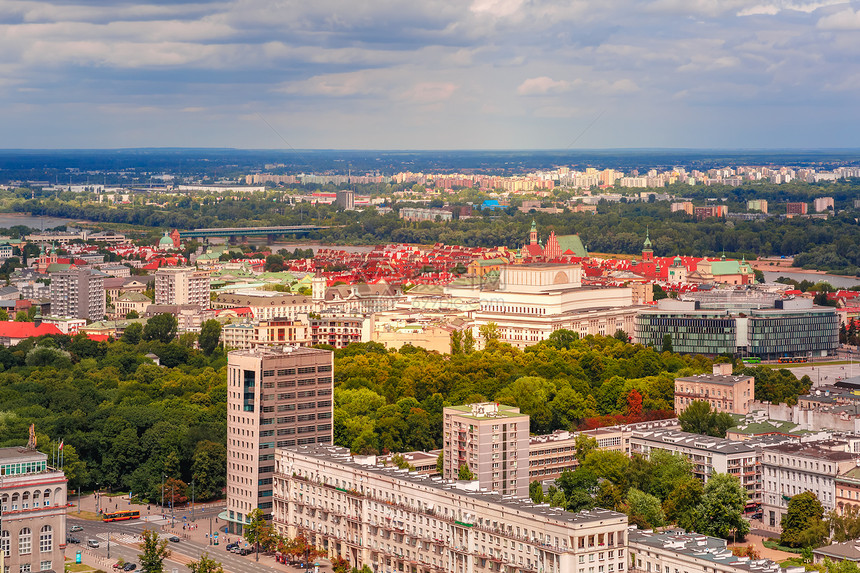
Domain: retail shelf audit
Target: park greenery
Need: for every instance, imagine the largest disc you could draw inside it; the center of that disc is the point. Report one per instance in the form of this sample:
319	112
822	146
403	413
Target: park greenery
127	423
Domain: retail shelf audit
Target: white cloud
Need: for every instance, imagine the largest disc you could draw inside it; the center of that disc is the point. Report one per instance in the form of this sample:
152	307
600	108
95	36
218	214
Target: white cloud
430	92
541	86
843	20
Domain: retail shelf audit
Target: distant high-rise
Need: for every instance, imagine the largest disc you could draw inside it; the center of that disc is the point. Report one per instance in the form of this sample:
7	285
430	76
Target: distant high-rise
346	199
493	441
277	397
78	293
182	285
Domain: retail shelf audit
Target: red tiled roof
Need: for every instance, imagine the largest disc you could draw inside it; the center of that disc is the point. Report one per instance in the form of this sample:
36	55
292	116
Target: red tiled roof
26	329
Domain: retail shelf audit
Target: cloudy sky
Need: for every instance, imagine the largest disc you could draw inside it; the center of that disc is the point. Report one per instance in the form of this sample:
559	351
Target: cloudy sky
430	74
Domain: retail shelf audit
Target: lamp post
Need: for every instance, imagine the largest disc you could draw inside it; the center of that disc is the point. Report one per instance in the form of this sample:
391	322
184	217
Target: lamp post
162	493
108	556
192	501
172	500
98	498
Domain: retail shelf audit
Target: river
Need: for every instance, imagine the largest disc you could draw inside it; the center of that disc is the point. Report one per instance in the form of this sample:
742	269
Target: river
9	220
837	281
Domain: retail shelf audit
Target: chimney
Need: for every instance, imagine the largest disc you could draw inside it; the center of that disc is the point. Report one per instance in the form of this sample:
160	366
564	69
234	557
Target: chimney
724	369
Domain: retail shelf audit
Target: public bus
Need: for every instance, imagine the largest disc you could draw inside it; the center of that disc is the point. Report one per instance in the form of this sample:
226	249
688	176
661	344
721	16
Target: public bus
121	515
751	360
793	359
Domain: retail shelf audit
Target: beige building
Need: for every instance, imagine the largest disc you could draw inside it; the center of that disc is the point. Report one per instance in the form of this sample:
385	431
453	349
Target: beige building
724	392
276	398
182	285
131	301
493	441
266	304
33	501
278	331
393	520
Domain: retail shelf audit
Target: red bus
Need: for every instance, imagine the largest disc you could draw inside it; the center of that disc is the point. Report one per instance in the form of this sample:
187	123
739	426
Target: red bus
121	515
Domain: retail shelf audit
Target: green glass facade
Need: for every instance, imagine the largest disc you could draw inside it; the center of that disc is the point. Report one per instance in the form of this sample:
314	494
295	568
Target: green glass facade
777	334
770	333
691	334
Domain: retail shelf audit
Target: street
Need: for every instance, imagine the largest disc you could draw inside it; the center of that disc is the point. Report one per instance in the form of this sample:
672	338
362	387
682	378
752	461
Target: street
125	537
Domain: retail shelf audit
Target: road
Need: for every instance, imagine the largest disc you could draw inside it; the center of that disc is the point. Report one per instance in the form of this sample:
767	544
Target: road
126	535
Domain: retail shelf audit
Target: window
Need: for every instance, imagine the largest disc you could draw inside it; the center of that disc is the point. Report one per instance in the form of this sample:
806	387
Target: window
24	568
45	566
4	542
25	541
46	539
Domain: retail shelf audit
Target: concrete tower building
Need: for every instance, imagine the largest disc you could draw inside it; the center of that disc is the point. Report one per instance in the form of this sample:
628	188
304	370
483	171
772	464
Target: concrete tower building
78	293
182	285
493	440
278	397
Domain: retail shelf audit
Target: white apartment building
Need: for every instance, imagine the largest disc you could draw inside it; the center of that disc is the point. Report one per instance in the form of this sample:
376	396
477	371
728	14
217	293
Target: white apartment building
78	293
33	502
182	285
493	441
277	397
394	520
790	469
275	332
681	552
708	455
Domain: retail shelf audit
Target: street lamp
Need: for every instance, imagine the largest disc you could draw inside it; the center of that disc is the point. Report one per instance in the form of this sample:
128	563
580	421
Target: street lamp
162	494
192	501
98	498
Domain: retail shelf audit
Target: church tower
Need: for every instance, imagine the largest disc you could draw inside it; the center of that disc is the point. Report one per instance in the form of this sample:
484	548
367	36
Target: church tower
647	252
533	238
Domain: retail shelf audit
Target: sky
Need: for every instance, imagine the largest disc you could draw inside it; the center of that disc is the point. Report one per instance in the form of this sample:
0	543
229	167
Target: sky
430	74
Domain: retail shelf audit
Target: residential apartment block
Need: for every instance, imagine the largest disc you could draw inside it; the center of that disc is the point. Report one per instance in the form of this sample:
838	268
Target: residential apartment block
277	397
78	293
493	441
708	455
266	305
274	332
182	285
393	520
790	469
33	502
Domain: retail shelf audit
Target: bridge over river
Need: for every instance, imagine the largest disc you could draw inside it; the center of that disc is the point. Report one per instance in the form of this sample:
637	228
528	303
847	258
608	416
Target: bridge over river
241	233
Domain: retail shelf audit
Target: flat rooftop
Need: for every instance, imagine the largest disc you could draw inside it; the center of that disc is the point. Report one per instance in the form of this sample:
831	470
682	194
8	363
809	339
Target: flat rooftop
721	379
697	441
20	453
342	456
278	351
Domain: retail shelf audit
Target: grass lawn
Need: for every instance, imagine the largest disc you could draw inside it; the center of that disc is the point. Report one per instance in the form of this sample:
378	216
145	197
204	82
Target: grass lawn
78	568
88	515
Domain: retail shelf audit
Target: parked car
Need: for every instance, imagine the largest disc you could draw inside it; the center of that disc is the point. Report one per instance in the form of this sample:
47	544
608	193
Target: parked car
173	538
231	546
72	539
118	564
93	543
76	528
243	551
129	567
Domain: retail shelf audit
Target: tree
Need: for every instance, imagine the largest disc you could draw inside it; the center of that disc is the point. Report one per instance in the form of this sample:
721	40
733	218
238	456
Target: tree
256	530
440	463
210	336
562	339
4	316
845	526
468	342
681	504
132	333
667	342
634	405
21	316
804	512
154	552
465	473
583	445
536	492
207	469
456	342
644	509
205	565
610	465
274	263
698	418
489	331
161	327
720	513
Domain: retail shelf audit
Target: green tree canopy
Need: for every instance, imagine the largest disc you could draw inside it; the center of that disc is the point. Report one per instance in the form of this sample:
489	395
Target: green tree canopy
161	327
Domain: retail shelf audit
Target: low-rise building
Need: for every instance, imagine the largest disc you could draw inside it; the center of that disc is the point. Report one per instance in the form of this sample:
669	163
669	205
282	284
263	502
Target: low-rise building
724	392
265	305
393	520
33	500
131	301
274	332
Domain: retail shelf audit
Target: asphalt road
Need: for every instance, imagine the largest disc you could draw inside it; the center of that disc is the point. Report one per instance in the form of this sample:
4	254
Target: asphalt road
124	544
